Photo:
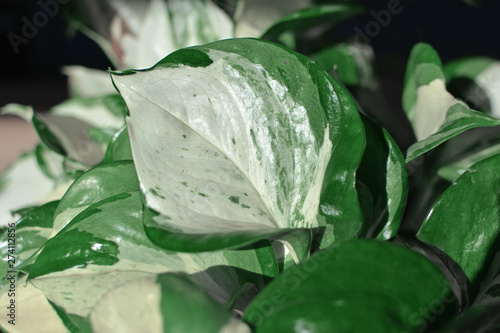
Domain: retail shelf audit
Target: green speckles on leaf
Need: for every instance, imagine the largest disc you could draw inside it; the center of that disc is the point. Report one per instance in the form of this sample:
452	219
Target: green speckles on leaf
202	194
155	193
244	206
184	183
257	147
233	140
234	199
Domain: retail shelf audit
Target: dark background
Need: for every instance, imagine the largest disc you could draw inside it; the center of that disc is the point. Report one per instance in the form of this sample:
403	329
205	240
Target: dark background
32	76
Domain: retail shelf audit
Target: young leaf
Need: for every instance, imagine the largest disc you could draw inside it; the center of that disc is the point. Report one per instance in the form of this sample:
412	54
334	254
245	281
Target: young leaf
106	242
434	113
235	137
309	298
465	221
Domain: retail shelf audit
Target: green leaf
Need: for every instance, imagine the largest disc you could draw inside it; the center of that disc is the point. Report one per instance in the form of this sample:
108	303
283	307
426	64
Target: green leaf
452	171
106	245
310	17
169	302
253	17
309	298
465	221
119	148
97	184
434	113
383	171
489	294
352	63
20	242
234	145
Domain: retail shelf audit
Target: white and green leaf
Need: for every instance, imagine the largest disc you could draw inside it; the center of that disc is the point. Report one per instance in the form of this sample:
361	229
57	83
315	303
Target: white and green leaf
434	113
162	303
236	137
106	246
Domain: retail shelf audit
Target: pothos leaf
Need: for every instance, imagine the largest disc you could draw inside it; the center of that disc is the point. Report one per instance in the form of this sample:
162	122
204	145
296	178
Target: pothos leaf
434	113
351	62
308	298
310	17
253	17
170	302
119	148
101	244
464	222
97	184
240	139
32	306
383	171
24	238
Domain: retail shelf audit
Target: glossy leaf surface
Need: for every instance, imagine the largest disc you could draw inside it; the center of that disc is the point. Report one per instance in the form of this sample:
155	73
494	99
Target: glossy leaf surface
310	17
95	185
465	221
383	171
310	297
237	136
101	244
30	233
119	148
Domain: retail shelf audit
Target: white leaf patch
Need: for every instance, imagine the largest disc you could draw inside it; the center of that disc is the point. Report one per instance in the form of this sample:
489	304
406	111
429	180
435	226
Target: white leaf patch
224	148
433	102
